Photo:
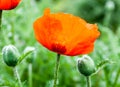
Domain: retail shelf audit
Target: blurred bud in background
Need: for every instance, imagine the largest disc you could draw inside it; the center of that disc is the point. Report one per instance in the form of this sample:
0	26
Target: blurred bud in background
110	5
29	57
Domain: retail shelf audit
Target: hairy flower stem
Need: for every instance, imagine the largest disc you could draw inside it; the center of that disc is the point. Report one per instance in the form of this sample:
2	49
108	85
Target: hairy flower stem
17	76
56	70
88	81
0	19
30	74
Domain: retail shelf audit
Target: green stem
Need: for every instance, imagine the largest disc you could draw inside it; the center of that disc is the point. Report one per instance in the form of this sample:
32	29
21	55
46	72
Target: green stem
17	76
116	78
88	80
56	70
106	78
107	18
30	74
0	19
12	34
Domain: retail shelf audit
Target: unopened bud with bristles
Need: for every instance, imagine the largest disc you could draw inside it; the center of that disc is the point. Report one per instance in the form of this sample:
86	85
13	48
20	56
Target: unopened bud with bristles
86	66
10	55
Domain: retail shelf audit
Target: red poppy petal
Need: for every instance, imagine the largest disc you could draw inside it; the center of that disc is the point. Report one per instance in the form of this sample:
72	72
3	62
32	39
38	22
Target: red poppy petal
65	33
8	4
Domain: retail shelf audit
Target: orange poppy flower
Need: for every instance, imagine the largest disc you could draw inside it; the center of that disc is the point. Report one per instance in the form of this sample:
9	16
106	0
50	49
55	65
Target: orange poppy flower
65	34
8	4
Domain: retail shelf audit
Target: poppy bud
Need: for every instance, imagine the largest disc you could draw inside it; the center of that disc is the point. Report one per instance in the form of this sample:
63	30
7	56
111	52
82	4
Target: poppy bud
10	55
86	66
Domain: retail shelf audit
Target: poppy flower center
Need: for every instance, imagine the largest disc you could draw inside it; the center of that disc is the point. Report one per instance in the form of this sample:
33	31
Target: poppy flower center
58	48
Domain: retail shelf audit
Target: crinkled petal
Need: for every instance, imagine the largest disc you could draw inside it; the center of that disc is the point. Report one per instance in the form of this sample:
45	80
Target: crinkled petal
65	34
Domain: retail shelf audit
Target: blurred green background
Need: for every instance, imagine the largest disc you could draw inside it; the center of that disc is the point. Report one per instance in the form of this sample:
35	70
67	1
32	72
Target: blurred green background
17	29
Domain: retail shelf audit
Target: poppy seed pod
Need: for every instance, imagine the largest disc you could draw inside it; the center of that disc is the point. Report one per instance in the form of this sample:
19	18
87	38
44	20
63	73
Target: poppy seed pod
8	4
86	66
10	55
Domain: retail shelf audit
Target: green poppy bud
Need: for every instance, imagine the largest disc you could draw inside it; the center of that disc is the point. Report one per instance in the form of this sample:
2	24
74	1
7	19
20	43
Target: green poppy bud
86	66
10	55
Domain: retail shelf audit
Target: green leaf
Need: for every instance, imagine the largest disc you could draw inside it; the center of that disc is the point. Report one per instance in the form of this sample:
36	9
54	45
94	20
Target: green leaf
102	64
